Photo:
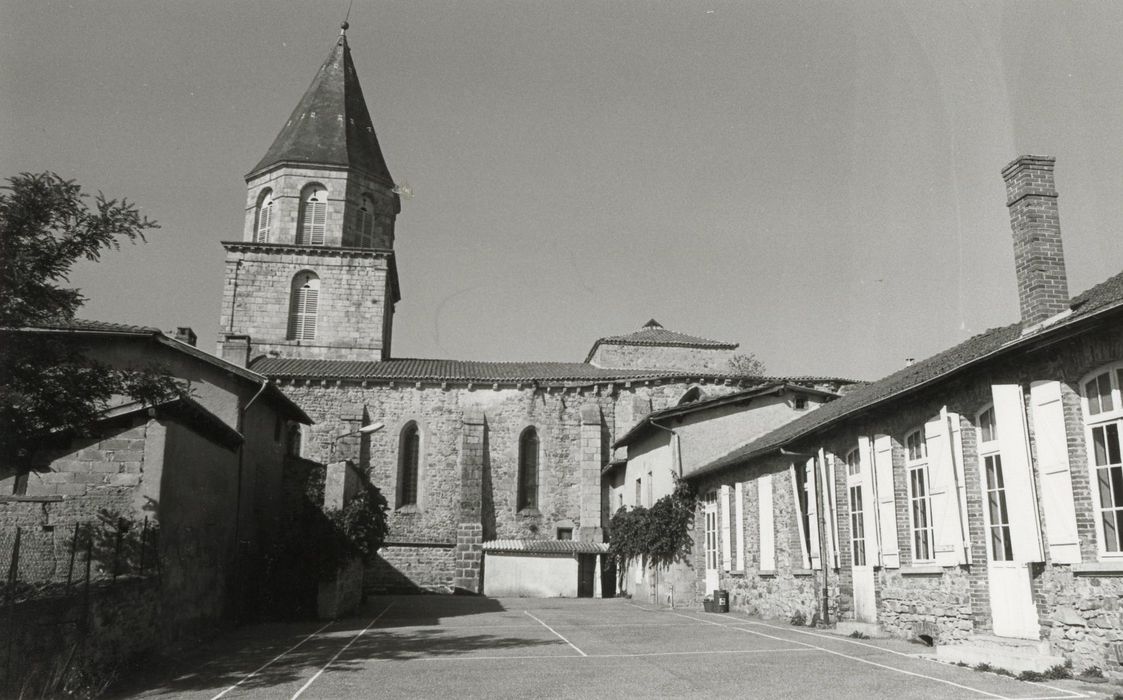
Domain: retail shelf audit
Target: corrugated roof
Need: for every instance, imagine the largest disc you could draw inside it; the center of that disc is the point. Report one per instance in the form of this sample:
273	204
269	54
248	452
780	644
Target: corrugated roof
545	547
331	124
1104	295
475	371
655	334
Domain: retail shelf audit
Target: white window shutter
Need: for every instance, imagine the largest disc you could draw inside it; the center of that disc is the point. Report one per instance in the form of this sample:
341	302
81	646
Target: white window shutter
739	512
723	509
318	215
813	515
955	425
797	487
886	501
869	492
1009	416
830	505
766	523
943	491
1053	469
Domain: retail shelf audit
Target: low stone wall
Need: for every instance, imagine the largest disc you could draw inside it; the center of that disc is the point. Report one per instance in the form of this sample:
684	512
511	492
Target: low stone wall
936	605
775	597
404	566
58	641
1083	618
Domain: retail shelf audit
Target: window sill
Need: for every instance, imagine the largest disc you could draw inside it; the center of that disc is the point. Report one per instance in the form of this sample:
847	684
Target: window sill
803	572
411	509
529	513
768	573
927	570
1099	568
736	573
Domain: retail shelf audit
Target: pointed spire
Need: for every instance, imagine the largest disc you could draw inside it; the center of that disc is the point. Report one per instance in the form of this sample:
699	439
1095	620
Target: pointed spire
331	124
653	324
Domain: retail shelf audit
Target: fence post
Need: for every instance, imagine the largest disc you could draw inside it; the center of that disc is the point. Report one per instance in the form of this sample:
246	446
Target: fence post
13	573
70	567
143	547
86	592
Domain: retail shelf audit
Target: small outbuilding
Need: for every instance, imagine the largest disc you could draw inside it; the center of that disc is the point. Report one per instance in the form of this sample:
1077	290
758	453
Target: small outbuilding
543	568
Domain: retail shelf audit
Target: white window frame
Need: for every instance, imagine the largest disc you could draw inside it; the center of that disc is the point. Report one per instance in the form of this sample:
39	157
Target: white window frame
990	450
919	465
312	227
710	531
857	511
1103	420
263	217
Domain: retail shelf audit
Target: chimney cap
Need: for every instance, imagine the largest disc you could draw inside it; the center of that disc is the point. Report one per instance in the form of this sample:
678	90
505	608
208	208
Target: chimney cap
1028	160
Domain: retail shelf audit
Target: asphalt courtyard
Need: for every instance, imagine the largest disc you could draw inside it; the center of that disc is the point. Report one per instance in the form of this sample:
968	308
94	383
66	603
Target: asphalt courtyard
453	647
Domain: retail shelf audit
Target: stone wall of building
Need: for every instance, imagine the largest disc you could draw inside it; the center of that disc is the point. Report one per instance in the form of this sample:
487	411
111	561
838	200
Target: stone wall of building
354	296
662	357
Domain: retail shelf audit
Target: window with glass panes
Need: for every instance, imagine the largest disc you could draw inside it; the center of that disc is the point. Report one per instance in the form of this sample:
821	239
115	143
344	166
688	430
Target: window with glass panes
711	530
994	483
857	507
920	506
1103	417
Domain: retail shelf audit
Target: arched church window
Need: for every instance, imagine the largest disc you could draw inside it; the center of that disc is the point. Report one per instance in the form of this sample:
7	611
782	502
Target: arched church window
528	469
263	219
409	456
313	215
305	303
366	222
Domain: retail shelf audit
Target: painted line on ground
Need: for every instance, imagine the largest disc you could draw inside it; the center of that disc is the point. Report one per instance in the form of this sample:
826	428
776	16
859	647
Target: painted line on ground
837	638
329	663
553	657
859	660
271	661
557	633
477	628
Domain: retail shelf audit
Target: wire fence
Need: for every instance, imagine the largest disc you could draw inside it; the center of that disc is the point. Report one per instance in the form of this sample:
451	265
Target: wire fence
52	561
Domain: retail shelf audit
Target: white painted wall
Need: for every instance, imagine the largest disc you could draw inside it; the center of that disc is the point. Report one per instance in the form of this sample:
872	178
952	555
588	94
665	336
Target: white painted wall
530	575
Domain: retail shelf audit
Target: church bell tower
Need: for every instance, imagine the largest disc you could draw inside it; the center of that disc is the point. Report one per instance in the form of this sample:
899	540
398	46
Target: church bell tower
314	274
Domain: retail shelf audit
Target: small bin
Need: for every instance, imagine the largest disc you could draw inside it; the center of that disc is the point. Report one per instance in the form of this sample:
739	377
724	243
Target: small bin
707	605
721	601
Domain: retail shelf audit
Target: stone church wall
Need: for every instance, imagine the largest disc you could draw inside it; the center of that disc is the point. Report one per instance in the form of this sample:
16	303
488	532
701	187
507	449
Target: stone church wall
662	356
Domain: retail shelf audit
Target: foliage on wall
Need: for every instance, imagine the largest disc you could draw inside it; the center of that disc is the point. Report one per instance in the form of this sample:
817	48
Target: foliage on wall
659	535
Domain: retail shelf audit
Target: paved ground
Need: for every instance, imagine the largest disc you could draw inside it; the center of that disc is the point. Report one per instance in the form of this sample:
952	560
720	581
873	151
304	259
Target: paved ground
446	647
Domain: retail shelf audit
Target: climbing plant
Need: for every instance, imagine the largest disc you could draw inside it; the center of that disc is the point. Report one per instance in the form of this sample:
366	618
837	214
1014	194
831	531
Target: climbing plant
660	535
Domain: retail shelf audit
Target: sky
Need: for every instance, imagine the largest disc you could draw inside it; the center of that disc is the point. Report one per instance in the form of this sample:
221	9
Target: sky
818	181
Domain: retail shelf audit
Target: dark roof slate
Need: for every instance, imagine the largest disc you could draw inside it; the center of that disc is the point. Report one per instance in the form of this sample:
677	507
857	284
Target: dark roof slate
78	324
1106	294
331	124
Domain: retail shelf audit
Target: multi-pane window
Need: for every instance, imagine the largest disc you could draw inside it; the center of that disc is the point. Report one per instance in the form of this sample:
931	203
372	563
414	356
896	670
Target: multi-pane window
998	516
313	215
304	304
711	530
920	505
410	453
528	469
1103	416
857	507
263	223
366	222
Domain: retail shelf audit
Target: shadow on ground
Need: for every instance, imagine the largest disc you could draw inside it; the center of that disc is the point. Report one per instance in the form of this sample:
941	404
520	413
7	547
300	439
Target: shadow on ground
228	659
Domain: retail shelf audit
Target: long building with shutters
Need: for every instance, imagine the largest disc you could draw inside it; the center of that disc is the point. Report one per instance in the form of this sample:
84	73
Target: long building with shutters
973	500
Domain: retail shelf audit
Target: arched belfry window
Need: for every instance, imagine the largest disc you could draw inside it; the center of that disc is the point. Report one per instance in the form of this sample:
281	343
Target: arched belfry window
313	215
304	305
263	217
528	469
409	454
366	222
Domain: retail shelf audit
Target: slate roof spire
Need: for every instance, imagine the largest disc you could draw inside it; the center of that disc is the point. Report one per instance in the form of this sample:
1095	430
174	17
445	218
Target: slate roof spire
330	125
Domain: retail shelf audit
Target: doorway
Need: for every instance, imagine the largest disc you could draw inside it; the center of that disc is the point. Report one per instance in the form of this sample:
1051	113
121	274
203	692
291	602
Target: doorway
865	599
713	575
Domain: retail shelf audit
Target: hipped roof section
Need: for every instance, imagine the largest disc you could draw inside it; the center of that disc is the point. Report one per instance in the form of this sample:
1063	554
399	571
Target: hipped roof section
330	126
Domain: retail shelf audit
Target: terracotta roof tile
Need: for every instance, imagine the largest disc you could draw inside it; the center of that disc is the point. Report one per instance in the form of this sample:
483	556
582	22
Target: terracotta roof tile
546	546
475	371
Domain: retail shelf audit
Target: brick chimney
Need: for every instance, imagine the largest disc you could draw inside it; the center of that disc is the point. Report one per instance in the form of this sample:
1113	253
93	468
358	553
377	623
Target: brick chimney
1038	256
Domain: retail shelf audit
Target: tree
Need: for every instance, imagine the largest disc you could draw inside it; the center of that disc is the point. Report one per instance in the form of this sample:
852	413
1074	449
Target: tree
46	225
748	365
